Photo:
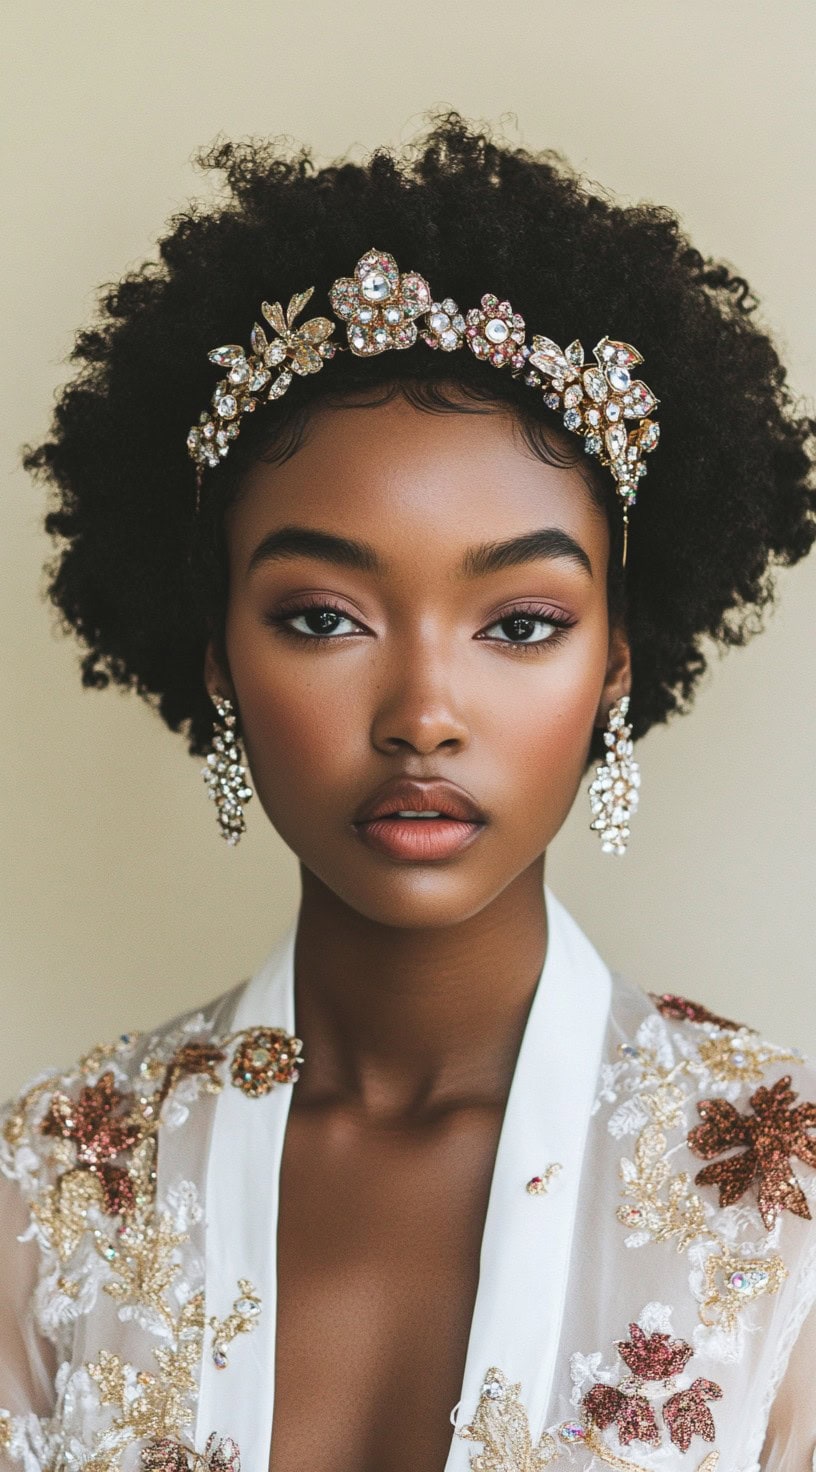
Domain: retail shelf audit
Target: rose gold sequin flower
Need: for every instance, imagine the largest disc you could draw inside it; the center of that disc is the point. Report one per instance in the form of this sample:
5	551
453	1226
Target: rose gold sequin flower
496	332
653	1357
266	1056
379	305
681	1009
687	1414
222	1455
631	1415
163	1454
775	1132
101	1125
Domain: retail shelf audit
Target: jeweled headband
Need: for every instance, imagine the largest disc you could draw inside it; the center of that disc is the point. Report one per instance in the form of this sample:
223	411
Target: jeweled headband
383	308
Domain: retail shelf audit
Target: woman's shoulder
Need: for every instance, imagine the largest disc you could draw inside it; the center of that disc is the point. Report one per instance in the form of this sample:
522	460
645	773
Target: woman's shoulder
89	1116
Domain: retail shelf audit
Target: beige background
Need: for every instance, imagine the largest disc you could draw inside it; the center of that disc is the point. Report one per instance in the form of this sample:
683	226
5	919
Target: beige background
120	903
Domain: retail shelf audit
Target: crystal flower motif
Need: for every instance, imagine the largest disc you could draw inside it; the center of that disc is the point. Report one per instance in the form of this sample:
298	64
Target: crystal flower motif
774	1133
495	332
292	351
266	1056
444	326
596	399
379	305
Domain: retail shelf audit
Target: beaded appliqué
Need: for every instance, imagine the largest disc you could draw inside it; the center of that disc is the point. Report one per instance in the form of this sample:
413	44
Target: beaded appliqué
624	1402
83	1149
656	1075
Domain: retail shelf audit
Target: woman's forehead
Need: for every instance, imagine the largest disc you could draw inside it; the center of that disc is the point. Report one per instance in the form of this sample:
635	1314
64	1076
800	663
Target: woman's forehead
403	477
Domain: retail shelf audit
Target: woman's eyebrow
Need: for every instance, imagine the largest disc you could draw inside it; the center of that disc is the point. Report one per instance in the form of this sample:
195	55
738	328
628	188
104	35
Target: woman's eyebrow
484	557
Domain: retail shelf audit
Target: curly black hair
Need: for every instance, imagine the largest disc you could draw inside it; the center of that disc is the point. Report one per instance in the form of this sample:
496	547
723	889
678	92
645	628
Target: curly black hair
141	578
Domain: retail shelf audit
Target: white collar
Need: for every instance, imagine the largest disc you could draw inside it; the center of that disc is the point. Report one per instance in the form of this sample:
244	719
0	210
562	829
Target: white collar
527	1239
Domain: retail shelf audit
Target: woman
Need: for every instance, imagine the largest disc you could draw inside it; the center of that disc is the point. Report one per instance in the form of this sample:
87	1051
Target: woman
513	1211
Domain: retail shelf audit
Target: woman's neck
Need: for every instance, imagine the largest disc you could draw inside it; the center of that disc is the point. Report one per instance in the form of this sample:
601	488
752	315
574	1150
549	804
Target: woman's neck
403	1022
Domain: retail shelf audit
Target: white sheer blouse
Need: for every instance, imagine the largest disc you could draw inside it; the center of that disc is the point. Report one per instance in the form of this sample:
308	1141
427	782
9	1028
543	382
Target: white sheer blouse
648	1261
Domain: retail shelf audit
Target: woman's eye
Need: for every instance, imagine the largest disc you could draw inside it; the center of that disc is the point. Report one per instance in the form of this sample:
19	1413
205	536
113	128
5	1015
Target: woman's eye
319	622
526	628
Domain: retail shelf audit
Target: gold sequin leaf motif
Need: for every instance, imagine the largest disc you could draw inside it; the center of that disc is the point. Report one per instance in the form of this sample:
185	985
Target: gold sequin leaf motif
774	1133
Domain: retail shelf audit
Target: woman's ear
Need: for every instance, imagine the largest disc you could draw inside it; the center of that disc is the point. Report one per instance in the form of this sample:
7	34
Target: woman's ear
216	672
618	677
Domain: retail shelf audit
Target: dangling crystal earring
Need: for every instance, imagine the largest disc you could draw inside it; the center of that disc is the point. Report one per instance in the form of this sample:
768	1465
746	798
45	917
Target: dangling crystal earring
224	773
613	794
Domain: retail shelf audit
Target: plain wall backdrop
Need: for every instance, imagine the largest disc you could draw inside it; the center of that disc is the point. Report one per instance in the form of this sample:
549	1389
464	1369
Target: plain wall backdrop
121	905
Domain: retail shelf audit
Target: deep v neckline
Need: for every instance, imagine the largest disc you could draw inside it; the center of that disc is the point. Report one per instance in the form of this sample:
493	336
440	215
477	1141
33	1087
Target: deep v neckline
526	1239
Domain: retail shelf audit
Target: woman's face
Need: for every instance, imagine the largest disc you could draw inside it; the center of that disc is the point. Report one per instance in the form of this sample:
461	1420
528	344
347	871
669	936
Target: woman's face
404	631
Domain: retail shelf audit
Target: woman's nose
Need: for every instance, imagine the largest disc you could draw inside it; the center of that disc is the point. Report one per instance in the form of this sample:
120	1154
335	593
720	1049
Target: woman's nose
419	707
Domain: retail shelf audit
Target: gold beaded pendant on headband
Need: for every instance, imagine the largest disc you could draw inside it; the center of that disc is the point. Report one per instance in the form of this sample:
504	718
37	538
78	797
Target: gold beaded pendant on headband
382	309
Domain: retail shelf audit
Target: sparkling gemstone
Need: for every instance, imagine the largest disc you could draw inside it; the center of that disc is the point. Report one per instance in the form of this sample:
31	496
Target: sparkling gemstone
449	306
449	340
193	439
613	412
375	287
365	314
616	439
260	1057
492	1389
496	330
275	353
573	396
440	321
552	401
595	384
650	436
248	1307
570	1431
619	378
227	406
572	419
593	444
219	1359
393	315
358	337
239	372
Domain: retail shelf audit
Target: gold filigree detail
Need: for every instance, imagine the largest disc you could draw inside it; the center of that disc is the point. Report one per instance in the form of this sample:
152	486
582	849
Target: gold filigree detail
502	1425
732	1281
145	1266
242	1320
5	1430
662	1204
740	1057
153	1405
623	1464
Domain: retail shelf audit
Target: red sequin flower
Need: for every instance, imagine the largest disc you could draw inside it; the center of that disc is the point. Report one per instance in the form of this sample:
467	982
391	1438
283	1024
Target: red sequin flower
191	1060
775	1132
680	1009
102	1126
266	1056
687	1414
631	1415
654	1357
223	1455
162	1454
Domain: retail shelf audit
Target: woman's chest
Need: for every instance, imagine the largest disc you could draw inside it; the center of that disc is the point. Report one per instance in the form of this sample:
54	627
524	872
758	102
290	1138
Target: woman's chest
378	1255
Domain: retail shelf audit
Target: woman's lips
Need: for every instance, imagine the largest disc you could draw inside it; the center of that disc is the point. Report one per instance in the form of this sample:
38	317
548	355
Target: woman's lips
418	839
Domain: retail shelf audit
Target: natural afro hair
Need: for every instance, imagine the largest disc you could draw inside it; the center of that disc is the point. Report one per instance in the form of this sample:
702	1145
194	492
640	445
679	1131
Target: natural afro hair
141	579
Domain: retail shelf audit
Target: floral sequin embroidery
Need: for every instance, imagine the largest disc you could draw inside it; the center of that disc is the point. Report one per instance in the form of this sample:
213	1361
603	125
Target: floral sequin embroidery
644	1402
83	1148
775	1132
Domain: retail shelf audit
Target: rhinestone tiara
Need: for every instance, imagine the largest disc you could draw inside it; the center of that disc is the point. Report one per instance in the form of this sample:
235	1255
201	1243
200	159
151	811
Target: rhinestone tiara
383	308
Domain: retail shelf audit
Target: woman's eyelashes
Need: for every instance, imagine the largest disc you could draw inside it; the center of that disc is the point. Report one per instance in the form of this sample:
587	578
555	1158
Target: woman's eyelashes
525	628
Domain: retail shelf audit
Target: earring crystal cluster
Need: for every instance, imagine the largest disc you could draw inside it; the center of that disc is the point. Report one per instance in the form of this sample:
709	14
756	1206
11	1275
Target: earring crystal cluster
613	794
225	775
